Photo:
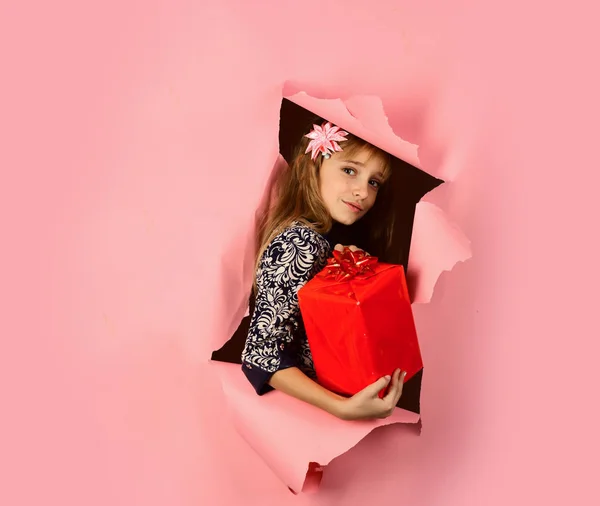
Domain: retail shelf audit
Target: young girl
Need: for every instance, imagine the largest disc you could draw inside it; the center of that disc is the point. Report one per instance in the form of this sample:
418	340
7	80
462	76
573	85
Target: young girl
334	179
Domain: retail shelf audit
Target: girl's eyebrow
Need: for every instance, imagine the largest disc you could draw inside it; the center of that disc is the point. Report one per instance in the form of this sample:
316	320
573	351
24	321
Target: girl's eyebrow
354	162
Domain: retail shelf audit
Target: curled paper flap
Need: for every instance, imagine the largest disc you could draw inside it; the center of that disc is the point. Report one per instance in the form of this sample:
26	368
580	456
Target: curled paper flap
364	117
290	435
437	245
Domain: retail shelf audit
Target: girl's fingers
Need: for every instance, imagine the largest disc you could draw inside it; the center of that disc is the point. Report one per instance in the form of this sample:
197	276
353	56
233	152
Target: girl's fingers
396	377
394	385
400	385
340	247
373	389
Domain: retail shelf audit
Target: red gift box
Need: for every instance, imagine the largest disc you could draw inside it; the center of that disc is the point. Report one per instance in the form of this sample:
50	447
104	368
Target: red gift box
359	322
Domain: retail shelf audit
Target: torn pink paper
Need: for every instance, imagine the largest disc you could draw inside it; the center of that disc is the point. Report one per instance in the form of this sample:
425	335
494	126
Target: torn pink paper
364	117
436	246
289	434
293	437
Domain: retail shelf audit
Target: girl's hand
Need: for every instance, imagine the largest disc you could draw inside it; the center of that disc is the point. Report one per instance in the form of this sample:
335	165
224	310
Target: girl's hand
340	247
366	404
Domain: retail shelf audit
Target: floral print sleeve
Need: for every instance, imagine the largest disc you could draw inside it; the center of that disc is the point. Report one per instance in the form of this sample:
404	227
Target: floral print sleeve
276	338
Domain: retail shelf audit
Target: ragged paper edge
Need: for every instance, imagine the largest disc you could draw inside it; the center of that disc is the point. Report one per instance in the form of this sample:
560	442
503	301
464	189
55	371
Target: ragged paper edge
364	116
240	252
277	427
437	246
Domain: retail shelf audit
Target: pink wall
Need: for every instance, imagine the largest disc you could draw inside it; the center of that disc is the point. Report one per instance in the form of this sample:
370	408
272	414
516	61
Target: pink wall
135	142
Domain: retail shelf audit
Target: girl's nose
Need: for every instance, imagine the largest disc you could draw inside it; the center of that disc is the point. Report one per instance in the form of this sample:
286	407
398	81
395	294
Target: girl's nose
360	190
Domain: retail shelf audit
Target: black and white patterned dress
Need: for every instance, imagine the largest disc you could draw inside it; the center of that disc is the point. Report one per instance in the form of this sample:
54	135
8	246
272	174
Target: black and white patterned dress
276	339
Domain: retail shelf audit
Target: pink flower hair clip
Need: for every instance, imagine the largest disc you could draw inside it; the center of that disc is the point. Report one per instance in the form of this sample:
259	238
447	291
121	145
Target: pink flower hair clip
324	139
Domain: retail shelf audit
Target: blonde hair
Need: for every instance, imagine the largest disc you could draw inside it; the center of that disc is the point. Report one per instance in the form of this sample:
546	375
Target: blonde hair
298	199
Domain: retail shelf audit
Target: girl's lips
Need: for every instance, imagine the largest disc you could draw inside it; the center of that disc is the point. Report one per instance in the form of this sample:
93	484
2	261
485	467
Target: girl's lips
353	207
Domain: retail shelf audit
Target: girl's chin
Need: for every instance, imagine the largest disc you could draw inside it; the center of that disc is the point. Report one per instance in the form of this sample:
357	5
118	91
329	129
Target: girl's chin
346	220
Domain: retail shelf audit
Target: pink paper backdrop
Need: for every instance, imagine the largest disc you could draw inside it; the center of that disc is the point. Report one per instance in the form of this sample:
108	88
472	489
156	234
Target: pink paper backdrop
136	139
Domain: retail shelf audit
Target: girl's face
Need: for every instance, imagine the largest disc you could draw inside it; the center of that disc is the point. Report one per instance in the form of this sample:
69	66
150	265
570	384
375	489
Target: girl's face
349	185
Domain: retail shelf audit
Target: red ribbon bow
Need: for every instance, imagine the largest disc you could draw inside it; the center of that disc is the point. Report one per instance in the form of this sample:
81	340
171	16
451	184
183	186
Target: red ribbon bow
347	264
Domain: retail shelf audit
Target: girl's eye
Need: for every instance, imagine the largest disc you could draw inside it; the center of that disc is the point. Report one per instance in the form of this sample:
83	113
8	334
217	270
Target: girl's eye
349	171
375	184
